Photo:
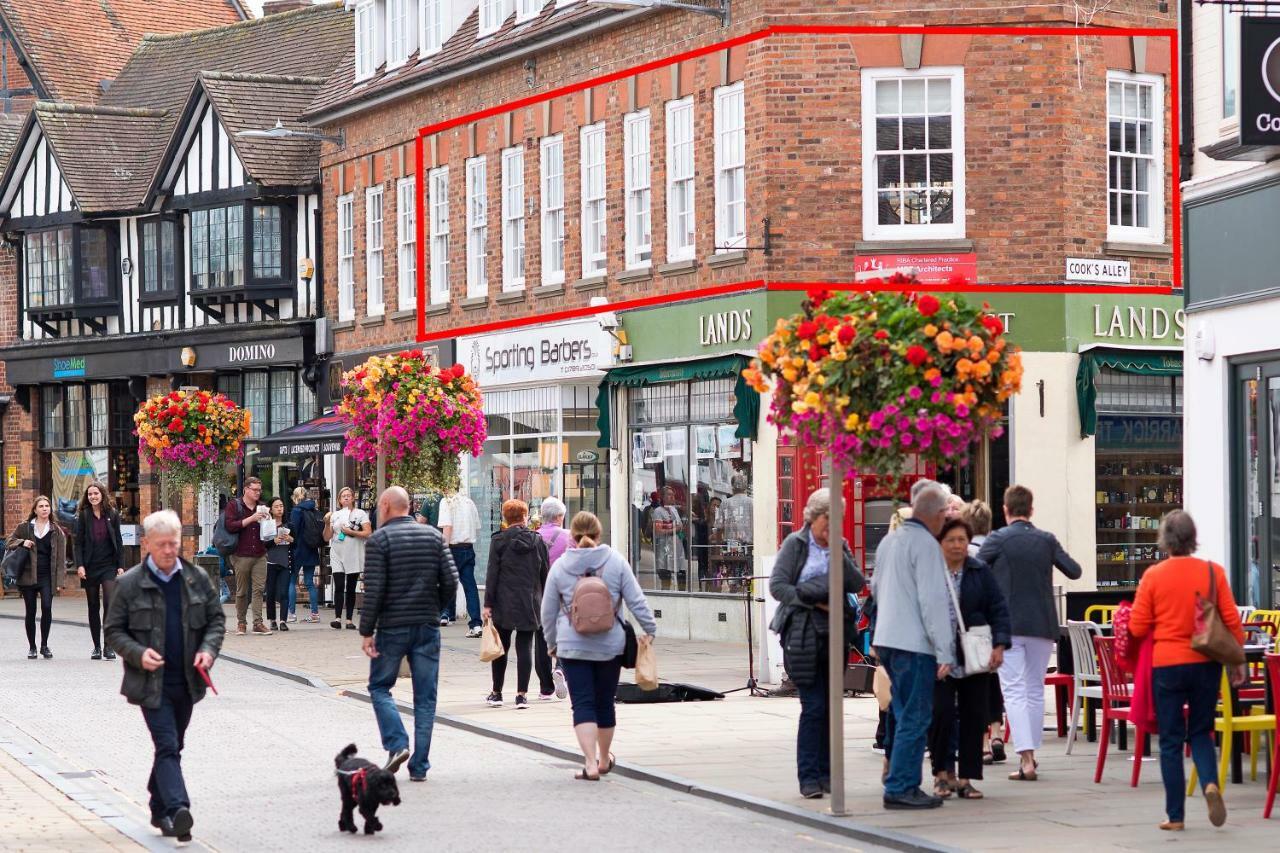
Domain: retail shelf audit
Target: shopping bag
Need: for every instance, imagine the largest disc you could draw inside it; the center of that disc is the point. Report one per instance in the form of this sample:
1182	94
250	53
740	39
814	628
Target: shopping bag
646	667
490	643
1211	637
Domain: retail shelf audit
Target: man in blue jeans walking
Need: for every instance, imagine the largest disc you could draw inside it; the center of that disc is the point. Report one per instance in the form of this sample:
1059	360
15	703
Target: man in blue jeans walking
914	637
408	573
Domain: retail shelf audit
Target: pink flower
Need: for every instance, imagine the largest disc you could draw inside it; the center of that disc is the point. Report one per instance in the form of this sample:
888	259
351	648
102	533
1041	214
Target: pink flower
914	392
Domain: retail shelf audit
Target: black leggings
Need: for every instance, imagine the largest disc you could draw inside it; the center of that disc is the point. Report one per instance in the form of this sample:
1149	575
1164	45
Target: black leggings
44	588
347	595
524	659
102	588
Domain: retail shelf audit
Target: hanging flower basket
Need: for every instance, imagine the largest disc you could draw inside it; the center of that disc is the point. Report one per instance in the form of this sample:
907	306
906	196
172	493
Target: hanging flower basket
882	378
190	437
421	418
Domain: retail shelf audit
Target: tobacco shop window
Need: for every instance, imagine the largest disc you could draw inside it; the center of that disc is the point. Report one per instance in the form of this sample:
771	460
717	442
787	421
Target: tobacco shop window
159	239
1135	172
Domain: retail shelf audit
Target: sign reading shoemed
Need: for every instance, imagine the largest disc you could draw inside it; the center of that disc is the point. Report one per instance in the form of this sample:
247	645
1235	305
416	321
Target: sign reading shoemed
1105	271
928	269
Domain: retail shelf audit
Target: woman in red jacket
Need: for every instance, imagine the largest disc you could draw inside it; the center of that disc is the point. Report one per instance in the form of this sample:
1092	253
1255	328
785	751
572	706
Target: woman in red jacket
1165	608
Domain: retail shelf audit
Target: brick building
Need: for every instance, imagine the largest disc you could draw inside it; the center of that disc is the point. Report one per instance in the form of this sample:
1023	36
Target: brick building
675	150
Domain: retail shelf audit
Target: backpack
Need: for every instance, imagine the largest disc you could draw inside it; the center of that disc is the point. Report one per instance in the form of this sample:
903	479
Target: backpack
224	541
591	609
312	529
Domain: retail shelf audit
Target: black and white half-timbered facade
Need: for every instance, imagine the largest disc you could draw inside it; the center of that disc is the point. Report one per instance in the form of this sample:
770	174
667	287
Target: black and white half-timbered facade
163	240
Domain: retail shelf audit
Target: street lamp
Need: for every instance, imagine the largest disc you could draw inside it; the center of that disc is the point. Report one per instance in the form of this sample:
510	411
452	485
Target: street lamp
282	132
721	10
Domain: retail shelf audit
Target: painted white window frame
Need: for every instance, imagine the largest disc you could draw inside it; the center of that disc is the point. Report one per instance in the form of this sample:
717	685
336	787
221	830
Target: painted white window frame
1153	232
477	227
1230	65
637	145
731	167
513	258
402	31
370	38
432	21
871	229
595	212
551	176
527	10
406	244
438	202
682	208
346	258
493	14
374	259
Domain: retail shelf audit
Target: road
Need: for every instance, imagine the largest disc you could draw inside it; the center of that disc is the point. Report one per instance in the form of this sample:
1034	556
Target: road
259	767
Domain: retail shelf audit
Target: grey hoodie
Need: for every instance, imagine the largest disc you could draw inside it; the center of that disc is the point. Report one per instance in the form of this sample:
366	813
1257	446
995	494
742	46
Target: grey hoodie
612	568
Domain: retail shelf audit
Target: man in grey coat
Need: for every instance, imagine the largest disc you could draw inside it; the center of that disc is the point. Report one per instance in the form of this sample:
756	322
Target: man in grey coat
914	638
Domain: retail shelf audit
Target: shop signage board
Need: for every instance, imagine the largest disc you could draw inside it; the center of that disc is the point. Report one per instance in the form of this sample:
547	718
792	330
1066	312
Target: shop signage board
540	353
280	351
1098	270
1260	81
1131	321
938	268
705	327
1140	432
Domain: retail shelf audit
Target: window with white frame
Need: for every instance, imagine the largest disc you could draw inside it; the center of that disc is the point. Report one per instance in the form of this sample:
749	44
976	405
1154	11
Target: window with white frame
552	175
513	219
431	18
373	250
591	163
477	227
681	220
1135	185
370	47
1230	62
492	15
438	202
406	245
639	223
346	258
913	153
731	168
527	10
402	31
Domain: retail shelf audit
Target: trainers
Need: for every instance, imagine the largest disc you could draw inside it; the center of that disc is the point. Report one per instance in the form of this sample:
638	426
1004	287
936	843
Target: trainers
108	655
546	697
811	791
261	630
178	826
562	687
421	778
494	700
293	617
284	626
444	622
275	626
240	629
475	633
395	759
914	799
877	748
521	703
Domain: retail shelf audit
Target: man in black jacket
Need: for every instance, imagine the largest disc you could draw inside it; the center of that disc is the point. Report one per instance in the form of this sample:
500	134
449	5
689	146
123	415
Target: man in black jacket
166	623
408	573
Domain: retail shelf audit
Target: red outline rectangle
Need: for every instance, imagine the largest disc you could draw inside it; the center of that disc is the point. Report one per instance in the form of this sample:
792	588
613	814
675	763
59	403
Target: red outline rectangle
701	293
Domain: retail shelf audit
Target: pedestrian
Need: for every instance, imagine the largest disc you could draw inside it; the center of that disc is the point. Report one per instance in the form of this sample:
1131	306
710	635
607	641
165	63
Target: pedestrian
592	662
558	541
167	624
99	557
513	586
1185	682
801	582
304	553
460	523
408	572
42	574
960	714
913	638
346	529
279	567
977	514
1023	558
670	546
244	517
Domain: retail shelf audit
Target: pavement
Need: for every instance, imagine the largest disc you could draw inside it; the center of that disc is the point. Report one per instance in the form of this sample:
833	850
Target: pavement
741	749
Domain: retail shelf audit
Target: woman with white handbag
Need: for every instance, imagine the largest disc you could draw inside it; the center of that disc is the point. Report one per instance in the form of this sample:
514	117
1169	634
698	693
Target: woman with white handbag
980	615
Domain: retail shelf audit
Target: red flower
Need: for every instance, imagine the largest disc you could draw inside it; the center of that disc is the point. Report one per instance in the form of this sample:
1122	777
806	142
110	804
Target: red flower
957	280
917	355
881	335
458	369
817	353
818	296
928	305
828	323
846	335
807	329
176	425
993	323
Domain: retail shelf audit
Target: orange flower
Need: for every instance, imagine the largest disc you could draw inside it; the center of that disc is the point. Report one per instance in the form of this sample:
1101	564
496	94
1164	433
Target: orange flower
930	330
975	344
944	340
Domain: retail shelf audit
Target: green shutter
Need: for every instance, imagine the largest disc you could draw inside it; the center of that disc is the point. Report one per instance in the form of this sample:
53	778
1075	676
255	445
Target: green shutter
1090	369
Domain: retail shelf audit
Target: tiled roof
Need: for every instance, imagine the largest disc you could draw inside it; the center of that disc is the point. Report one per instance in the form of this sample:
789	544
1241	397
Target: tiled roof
257	102
73	45
461	49
10	128
107	155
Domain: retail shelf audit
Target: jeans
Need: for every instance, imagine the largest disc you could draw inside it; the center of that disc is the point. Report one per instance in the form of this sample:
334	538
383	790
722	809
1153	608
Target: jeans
593	687
421	645
813	735
44	591
464	557
344	592
98	594
308	578
1194	685
251	578
912	675
168	725
962	700
1022	682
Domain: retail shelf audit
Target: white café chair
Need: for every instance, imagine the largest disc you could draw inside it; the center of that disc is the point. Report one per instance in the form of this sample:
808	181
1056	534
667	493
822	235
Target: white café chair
1086	681
1245	611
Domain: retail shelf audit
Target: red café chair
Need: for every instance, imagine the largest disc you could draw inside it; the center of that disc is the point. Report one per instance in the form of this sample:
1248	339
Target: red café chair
1273	675
1117	695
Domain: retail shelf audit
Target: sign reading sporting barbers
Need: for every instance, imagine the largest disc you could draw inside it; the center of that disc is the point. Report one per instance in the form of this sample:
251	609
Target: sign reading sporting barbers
1260	81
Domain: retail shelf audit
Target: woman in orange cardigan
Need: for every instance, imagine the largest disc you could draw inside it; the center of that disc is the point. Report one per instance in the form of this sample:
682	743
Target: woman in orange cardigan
1166	609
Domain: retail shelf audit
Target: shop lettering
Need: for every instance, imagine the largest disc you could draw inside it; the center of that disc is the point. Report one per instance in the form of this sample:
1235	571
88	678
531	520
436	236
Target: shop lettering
1140	432
724	327
1136	322
67	367
564	352
251	353
1267	122
1086	269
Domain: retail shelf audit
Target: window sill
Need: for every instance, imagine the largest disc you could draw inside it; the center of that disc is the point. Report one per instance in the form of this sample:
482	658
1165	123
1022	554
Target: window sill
344	326
548	290
437	309
401	316
474	302
872	247
511	297
595	282
730	258
1137	250
375	320
634	276
679	267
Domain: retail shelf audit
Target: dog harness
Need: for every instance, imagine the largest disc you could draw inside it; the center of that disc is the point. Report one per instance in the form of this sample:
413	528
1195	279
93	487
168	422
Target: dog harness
359	780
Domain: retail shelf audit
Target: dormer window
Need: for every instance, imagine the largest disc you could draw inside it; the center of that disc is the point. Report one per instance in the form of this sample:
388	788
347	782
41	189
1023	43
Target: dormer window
402	31
432	17
492	15
527	10
370	46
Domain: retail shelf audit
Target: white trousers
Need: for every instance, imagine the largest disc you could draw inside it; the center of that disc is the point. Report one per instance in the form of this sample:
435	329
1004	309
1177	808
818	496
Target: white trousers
1022	683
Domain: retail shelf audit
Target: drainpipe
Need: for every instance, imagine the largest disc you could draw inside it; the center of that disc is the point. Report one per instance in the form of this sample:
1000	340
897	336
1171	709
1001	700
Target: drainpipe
1187	150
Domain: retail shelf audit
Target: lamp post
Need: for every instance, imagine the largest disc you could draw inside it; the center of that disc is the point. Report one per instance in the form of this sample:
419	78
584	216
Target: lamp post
835	635
279	131
720	10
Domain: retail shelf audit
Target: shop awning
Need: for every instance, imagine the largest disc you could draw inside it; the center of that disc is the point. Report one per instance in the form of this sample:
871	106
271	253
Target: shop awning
746	407
325	434
1126	361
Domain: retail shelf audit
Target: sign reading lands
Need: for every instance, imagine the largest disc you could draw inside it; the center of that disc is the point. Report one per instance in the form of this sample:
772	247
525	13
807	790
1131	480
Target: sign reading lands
928	269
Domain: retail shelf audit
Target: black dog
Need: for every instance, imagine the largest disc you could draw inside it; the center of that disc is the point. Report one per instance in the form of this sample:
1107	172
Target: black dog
363	785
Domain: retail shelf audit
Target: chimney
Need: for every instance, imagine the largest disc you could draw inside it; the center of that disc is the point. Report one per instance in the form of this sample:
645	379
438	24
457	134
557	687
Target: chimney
275	7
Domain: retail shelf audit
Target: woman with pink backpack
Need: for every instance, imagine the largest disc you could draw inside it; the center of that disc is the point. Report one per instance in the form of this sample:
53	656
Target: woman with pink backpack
582	624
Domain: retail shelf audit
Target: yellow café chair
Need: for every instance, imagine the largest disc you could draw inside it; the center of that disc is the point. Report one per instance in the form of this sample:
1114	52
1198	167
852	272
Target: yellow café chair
1229	724
1101	614
1272	616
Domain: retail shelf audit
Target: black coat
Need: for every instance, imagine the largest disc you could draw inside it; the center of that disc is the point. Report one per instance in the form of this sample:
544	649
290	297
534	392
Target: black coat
408	574
84	537
983	603
518	566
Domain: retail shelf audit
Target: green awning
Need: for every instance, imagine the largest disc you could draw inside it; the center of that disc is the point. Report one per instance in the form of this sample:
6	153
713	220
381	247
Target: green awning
746	409
1090	369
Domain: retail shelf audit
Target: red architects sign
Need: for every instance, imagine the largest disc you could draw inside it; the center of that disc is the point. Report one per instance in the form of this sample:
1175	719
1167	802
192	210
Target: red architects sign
928	269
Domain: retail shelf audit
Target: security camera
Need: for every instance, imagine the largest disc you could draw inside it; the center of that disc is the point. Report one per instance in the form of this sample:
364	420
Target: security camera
608	321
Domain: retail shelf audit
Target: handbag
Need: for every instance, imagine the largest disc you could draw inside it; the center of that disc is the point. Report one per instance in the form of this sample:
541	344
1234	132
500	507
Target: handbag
14	564
975	641
646	668
1211	637
490	643
630	647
